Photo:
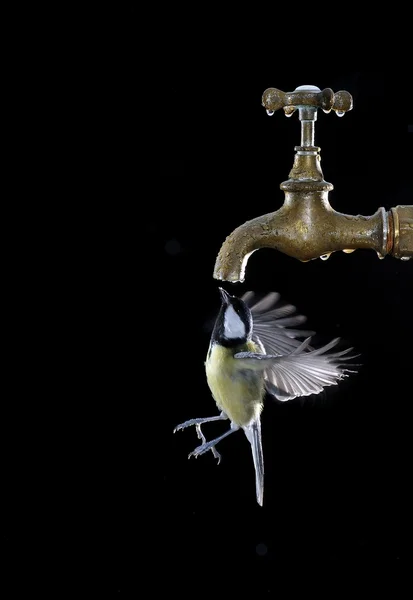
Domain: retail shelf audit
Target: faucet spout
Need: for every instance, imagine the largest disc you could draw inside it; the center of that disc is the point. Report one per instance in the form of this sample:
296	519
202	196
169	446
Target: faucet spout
305	228
233	256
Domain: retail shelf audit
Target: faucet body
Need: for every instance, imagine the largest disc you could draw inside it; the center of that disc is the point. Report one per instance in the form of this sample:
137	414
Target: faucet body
306	226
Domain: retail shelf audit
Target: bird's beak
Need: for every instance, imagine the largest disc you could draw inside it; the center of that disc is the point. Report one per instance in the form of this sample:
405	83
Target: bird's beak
225	297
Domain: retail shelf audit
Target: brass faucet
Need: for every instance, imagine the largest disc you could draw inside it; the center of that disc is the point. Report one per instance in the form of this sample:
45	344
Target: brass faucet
306	226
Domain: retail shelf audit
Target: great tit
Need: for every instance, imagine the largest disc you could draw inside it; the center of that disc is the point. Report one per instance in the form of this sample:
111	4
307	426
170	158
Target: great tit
255	350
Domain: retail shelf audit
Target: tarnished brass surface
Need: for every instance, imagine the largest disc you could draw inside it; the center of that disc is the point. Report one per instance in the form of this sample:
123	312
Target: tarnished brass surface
306	167
403	231
273	99
306	226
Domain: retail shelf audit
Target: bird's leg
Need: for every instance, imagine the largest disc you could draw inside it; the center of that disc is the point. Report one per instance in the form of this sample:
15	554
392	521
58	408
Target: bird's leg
198	423
211	445
203	439
199	433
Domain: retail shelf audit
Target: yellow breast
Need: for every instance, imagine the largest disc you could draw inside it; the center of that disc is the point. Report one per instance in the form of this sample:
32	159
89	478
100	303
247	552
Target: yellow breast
239	393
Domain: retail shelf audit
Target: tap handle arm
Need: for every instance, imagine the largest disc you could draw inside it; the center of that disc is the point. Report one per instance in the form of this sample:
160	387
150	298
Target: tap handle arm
307	96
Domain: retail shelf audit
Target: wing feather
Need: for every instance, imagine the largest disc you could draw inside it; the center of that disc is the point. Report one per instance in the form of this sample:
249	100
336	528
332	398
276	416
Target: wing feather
302	372
274	324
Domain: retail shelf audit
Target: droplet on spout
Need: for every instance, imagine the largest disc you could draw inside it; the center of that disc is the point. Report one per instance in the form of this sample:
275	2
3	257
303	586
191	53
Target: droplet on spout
340	113
327	110
270	112
349	250
288	110
405	258
325	256
380	256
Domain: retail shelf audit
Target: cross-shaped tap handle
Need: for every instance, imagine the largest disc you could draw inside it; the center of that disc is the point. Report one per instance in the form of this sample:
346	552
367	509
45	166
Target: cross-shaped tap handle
306	96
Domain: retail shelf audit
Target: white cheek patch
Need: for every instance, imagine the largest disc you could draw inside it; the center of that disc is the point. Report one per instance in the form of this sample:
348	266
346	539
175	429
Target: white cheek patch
233	325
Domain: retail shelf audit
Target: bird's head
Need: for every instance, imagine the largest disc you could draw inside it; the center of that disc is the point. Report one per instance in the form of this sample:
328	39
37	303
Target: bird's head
233	325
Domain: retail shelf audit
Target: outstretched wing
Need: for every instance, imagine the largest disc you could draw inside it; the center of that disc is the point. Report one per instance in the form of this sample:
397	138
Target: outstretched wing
301	372
274	324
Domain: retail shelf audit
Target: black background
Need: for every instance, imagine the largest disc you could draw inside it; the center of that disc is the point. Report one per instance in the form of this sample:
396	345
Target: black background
337	491
121	506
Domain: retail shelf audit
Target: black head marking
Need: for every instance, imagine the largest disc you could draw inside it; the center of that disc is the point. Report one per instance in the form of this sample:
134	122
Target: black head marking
233	325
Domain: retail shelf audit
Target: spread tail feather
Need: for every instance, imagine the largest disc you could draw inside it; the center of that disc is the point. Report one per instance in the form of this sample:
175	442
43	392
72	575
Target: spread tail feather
253	433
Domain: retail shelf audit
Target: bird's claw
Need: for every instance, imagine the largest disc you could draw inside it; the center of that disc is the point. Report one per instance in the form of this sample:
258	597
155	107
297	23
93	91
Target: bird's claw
216	454
204	448
200	434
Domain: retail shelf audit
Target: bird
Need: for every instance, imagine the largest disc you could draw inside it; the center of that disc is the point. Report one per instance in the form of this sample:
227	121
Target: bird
257	350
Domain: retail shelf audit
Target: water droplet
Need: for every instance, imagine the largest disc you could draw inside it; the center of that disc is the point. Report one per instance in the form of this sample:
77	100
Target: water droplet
327	110
405	258
289	110
270	112
340	113
325	256
380	256
349	250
